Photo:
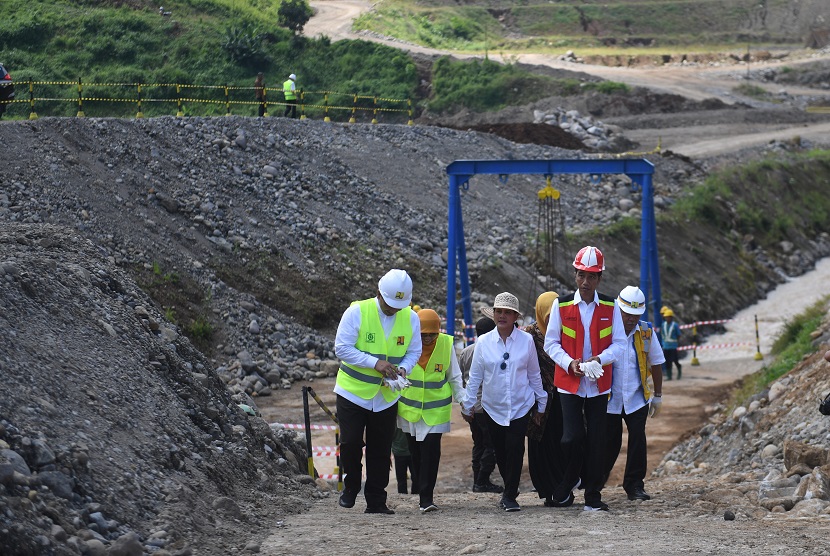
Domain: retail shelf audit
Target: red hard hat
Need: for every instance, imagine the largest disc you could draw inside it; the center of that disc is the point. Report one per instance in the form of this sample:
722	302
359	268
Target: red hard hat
589	259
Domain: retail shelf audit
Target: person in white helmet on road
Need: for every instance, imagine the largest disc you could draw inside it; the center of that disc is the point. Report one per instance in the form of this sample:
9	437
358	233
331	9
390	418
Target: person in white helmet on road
584	335
378	340
289	89
633	398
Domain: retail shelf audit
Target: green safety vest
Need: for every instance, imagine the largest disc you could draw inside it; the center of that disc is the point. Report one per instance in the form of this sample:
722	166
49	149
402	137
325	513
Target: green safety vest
289	94
430	396
366	382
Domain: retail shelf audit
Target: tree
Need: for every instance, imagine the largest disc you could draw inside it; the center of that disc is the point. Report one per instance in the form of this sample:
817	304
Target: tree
294	14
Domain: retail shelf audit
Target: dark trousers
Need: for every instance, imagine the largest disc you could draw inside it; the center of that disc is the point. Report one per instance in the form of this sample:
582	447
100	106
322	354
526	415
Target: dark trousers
426	455
583	445
402	465
484	457
544	455
262	110
672	357
509	445
379	428
290	106
636	459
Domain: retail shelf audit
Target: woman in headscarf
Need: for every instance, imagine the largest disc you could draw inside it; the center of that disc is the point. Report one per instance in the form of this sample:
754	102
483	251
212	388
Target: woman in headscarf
544	454
425	407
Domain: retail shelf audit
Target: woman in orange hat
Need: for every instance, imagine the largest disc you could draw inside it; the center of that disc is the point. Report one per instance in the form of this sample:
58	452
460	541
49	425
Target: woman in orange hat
425	407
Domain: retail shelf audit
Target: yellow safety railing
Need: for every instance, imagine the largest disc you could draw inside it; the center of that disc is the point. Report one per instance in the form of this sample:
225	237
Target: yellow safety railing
56	98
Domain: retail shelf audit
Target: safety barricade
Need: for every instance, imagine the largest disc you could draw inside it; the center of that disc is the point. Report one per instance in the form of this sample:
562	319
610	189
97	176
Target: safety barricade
694	346
322	451
59	98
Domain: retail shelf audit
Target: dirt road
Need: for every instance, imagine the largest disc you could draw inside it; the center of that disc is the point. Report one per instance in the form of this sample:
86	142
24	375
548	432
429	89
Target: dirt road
697	82
674	522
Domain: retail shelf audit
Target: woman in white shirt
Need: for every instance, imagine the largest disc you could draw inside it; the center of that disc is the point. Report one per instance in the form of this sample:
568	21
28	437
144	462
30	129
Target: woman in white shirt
506	366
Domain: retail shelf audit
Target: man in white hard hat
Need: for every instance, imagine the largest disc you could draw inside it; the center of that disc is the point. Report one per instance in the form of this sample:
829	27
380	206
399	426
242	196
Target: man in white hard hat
378	340
289	89
584	335
633	398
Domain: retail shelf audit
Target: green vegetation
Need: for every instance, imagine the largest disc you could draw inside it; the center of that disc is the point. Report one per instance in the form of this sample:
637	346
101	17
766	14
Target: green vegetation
483	25
752	91
794	342
205	42
487	85
775	199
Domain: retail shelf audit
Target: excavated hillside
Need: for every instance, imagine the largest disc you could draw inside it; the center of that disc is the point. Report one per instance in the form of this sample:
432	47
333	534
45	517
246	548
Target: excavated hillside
127	245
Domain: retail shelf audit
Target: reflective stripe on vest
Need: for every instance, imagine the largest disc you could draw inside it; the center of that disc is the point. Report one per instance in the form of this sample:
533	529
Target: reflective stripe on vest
371	340
286	88
430	395
642	343
572	339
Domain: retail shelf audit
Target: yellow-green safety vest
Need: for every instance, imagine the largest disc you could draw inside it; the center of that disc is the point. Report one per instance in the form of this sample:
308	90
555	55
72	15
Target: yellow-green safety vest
430	395
366	382
289	94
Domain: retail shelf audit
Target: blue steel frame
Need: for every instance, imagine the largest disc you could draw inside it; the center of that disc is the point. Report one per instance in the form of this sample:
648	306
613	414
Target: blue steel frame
639	170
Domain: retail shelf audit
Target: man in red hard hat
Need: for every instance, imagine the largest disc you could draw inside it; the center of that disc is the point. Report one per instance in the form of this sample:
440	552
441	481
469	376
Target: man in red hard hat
584	335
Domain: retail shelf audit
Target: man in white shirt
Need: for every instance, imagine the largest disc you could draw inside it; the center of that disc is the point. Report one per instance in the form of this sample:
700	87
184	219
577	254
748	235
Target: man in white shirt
378	340
632	397
584	328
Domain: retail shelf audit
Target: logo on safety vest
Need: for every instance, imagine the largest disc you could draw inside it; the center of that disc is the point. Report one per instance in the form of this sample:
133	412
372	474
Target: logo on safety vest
401	340
439	367
370	337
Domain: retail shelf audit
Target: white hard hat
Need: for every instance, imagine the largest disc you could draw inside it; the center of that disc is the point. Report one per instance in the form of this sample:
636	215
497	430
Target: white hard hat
292	76
632	301
396	288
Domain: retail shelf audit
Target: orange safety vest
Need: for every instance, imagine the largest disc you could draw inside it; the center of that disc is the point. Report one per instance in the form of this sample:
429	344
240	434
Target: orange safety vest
572	339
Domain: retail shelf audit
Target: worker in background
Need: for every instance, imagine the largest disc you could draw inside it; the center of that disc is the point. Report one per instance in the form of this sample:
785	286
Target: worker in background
670	338
483	456
425	407
632	397
289	89
378	341
585	333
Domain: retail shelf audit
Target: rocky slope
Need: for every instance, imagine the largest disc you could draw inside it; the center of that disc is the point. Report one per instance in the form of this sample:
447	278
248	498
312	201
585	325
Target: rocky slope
121	239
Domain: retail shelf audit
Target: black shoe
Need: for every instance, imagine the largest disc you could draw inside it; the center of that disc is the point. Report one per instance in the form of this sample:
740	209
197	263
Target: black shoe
551	503
509	504
638	494
379	510
596	507
488	487
347	499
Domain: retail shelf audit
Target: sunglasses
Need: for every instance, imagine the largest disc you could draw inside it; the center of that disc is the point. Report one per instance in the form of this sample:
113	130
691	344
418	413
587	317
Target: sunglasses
503	365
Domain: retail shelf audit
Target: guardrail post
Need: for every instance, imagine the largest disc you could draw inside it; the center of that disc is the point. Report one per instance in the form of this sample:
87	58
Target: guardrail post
179	111
80	99
375	111
326	107
354	108
695	362
32	113
758	356
307	417
227	101
140	114
302	105
409	104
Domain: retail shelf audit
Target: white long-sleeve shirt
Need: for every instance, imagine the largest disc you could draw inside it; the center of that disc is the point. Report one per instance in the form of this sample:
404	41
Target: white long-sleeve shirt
553	342
508	393
344	348
420	430
626	385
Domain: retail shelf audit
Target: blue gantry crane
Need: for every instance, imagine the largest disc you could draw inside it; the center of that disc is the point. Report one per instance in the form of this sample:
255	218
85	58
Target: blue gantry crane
639	170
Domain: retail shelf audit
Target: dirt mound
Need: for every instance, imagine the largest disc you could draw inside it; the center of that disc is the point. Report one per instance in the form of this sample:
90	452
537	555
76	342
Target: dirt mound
537	134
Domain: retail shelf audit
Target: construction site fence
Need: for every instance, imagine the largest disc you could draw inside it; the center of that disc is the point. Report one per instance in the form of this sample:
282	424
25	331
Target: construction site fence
80	98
